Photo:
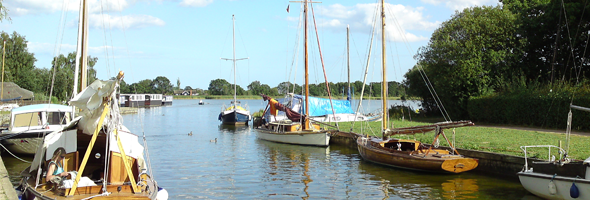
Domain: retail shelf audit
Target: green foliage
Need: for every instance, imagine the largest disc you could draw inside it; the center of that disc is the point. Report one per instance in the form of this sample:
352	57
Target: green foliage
467	55
161	85
534	105
219	87
3	12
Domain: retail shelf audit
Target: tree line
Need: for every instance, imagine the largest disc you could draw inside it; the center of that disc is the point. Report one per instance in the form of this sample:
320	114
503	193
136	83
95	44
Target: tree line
497	50
222	87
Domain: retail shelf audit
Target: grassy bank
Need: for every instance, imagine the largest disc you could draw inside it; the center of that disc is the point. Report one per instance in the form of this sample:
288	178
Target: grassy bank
498	140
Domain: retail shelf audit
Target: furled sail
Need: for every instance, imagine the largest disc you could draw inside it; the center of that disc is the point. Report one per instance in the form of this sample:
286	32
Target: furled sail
275	106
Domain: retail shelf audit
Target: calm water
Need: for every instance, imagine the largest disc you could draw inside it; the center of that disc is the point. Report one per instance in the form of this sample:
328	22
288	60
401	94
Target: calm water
239	166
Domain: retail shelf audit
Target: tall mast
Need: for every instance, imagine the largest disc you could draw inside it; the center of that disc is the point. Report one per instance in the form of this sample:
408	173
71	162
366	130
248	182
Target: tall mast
305	126
348	58
384	83
233	20
81	58
3	57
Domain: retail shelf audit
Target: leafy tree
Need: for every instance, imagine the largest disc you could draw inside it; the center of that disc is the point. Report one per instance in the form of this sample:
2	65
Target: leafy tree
188	88
3	12
161	85
64	67
19	61
255	88
556	35
219	87
470	54
142	87
284	87
178	83
124	88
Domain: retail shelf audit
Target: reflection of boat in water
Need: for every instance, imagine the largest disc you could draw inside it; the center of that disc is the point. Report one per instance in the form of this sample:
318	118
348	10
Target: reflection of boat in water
408	185
234	128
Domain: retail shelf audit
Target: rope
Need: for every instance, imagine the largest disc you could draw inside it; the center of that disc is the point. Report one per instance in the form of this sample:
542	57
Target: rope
14	155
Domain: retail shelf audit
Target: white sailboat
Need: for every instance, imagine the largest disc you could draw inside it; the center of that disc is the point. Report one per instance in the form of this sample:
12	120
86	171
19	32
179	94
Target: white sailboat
298	128
556	178
234	114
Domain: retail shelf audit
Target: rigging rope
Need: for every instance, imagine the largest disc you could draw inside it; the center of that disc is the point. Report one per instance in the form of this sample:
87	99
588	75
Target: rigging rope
323	67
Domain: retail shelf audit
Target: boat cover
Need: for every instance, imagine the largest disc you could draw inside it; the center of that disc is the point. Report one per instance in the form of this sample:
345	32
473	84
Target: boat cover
321	106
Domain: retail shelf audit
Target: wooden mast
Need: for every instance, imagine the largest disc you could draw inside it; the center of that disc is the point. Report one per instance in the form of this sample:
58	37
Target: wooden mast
348	58
384	83
306	121
3	57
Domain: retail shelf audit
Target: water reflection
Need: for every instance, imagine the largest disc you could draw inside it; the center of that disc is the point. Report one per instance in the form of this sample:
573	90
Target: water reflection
285	160
234	128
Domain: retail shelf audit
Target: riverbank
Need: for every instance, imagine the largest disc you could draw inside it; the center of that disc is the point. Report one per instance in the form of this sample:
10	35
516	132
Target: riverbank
7	191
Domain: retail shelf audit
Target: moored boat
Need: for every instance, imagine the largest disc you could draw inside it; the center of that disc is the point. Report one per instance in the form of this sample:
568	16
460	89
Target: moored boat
414	155
234	114
29	124
116	169
411	154
556	177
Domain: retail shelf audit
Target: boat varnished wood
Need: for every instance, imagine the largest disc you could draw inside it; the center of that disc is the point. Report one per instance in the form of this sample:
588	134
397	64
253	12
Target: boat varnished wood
413	155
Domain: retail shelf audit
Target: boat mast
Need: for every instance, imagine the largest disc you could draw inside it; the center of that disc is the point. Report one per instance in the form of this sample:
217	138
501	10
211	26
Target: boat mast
348	59
81	58
384	83
3	57
233	21
306	125
233	18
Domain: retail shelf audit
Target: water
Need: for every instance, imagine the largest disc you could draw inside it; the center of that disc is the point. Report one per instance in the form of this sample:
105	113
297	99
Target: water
239	166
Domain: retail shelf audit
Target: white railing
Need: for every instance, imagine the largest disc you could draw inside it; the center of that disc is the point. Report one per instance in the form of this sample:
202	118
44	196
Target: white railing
550	158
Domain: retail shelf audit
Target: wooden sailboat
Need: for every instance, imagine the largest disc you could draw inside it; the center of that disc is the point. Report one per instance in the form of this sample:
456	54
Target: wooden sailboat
299	128
234	114
412	154
103	158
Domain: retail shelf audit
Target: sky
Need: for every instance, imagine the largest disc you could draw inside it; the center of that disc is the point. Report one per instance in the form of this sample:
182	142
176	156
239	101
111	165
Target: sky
186	39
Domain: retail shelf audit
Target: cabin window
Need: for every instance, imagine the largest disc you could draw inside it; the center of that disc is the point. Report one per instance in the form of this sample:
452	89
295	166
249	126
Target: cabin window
28	119
56	118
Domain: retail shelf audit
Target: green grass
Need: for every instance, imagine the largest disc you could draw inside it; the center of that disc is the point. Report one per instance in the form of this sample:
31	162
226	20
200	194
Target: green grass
497	140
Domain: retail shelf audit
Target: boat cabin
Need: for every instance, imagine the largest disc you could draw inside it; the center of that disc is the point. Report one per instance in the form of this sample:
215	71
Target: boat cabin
39	116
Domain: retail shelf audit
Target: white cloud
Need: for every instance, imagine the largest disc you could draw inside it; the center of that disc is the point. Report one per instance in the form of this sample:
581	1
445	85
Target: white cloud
461	4
124	22
362	17
195	3
34	7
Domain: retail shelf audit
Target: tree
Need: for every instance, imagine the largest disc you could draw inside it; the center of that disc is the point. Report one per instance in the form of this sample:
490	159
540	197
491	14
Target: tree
142	87
3	12
64	67
470	54
178	83
124	88
19	62
188	88
161	85
255	88
220	87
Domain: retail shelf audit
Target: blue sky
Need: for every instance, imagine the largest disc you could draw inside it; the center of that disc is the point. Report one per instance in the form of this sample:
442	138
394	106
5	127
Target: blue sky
185	39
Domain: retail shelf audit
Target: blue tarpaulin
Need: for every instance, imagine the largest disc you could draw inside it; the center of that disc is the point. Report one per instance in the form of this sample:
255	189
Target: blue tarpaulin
321	106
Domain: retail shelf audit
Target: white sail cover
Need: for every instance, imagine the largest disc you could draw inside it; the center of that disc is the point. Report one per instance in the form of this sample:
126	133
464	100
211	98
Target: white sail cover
90	100
90	104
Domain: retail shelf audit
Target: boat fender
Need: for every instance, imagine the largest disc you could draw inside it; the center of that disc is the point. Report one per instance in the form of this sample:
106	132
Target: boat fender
162	194
574	192
552	187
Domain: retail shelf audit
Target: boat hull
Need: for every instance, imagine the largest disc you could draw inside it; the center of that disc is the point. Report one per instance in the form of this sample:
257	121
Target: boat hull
27	146
321	138
432	162
234	117
538	183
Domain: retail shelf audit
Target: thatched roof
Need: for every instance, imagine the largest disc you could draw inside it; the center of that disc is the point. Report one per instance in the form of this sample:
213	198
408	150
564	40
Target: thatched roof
13	91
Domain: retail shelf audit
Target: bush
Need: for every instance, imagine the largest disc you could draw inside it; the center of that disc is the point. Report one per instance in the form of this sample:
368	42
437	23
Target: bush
539	106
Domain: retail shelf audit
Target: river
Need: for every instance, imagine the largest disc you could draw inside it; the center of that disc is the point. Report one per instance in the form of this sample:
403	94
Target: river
239	166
